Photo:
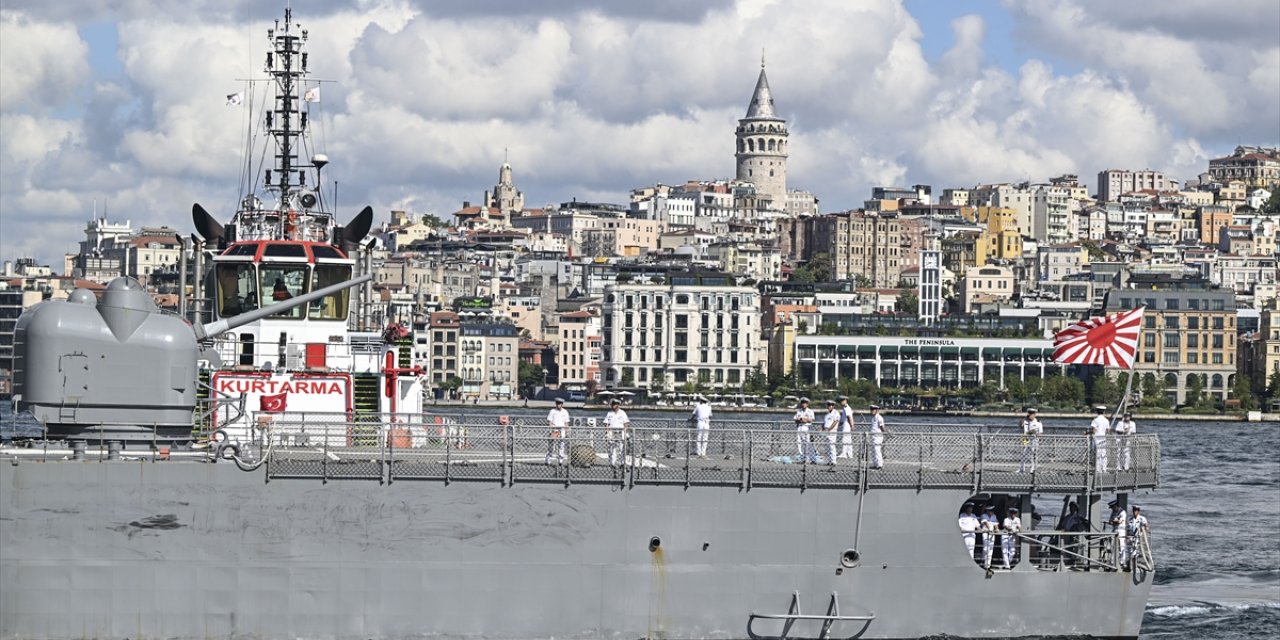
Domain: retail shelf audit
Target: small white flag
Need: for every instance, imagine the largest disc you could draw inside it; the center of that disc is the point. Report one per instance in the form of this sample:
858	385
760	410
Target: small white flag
234	98
312	95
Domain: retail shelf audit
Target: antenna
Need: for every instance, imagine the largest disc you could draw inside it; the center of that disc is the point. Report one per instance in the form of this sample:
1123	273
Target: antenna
761	57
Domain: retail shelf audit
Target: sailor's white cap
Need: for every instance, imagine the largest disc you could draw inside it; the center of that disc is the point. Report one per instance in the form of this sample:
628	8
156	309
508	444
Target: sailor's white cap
875	406
1099	408
1031	410
559	400
804	400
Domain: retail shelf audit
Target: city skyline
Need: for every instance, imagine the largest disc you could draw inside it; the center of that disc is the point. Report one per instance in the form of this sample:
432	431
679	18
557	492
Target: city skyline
127	109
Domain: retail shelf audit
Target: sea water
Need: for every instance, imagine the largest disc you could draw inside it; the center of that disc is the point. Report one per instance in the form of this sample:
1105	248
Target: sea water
1215	521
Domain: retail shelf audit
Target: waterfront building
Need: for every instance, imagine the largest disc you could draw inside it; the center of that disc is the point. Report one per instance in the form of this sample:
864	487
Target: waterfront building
489	360
921	361
1188	330
929	287
692	328
579	353
762	145
985	285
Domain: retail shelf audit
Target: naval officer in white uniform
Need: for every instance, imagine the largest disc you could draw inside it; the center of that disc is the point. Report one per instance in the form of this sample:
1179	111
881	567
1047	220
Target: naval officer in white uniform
990	524
1009	541
1099	429
558	421
968	528
804	418
878	431
1124	441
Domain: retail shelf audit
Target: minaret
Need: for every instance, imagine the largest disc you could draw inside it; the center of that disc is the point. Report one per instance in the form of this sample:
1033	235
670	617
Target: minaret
762	145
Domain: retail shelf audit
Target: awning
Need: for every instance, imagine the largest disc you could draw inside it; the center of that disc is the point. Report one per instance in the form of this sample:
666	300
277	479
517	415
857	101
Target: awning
951	349
1013	351
991	352
846	348
867	348
889	351
929	351
968	350
910	350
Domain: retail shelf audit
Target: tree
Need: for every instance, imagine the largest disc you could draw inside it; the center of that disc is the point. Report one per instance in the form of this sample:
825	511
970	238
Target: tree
1103	390
433	221
1063	391
1195	390
1153	392
628	377
531	376
757	381
909	302
1272	205
1241	390
1273	382
1016	389
818	269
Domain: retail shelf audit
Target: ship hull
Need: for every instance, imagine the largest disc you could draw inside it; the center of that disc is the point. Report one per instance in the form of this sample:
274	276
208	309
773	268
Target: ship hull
192	550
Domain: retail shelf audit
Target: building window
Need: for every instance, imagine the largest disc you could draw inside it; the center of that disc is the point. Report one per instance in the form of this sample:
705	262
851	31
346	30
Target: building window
1171	357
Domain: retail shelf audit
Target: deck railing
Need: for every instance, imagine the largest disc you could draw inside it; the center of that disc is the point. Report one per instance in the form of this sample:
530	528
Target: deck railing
665	452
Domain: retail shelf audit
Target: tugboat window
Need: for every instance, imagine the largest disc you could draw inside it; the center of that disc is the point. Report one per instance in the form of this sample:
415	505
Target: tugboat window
283	282
331	307
237	289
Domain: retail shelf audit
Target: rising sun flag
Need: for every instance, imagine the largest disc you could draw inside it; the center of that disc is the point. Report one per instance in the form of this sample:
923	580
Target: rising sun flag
1111	341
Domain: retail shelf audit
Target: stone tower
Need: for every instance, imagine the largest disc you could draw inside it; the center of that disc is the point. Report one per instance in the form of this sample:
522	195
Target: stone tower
762	146
504	197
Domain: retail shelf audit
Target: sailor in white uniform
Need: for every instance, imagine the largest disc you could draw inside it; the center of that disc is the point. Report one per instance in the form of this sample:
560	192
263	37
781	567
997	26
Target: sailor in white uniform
702	420
804	418
1031	430
968	528
831	426
878	431
1009	541
1124	441
1120	527
558	421
846	428
1137	527
989	527
617	429
1099	429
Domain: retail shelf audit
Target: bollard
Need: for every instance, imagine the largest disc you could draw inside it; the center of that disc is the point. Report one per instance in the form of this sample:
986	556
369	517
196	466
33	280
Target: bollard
77	449
113	449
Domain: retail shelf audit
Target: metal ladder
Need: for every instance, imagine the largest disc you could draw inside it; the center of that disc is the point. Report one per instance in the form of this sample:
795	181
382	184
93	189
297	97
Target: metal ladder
793	614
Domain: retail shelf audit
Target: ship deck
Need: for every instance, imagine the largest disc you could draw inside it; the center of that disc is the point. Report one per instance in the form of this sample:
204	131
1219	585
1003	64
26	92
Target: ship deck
664	452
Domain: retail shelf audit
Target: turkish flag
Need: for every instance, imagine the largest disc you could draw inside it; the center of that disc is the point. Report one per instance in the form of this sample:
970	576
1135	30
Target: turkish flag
273	404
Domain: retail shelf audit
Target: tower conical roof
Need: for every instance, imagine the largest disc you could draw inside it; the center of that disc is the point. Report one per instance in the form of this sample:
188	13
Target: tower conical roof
762	100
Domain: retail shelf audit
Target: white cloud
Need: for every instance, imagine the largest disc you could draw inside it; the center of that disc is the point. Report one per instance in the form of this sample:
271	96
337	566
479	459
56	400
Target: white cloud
42	65
593	99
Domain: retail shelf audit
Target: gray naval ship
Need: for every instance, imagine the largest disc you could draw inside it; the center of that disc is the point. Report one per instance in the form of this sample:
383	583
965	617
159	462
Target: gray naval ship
272	474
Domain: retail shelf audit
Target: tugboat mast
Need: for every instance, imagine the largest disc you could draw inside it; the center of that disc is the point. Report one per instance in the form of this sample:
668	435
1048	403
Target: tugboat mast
297	212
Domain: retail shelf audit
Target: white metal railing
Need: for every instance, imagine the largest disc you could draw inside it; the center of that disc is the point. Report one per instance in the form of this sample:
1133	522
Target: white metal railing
659	451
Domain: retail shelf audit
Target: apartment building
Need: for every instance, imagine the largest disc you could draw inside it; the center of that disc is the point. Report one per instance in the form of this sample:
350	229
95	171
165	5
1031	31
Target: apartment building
696	328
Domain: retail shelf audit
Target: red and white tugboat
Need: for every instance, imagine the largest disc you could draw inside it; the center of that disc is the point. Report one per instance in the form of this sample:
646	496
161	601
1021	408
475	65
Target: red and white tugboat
283	241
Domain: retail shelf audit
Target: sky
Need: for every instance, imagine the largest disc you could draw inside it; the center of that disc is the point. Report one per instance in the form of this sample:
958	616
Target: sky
120	107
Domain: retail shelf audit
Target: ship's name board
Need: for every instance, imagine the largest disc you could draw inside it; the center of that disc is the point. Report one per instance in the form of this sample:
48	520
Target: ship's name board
928	342
272	387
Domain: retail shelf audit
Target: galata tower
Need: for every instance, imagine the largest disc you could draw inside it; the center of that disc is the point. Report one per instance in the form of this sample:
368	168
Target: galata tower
762	145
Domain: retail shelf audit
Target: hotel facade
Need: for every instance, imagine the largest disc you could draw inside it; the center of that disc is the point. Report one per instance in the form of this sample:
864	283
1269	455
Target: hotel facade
925	362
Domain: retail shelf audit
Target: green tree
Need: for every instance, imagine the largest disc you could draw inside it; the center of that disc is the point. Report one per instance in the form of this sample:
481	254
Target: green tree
818	269
1103	390
433	221
1273	382
1016	389
1063	391
628	377
909	302
1272	205
531	375
1195	390
1153	392
1241	390
757	381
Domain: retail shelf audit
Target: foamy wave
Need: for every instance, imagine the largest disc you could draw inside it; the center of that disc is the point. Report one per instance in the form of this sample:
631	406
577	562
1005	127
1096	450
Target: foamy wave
1201	608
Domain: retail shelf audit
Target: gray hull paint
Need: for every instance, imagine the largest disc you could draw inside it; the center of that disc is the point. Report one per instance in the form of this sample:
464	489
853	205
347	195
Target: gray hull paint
188	550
